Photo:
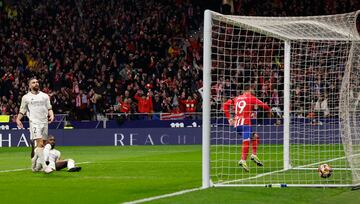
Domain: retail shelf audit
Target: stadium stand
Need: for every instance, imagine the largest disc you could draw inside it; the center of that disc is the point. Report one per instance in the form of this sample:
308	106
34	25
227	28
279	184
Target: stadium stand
94	57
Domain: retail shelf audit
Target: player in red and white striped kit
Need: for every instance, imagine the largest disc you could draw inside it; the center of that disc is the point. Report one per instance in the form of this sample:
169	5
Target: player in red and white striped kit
243	107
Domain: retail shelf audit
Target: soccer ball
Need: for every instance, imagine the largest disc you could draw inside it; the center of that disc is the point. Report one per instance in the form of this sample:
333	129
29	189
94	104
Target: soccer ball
325	171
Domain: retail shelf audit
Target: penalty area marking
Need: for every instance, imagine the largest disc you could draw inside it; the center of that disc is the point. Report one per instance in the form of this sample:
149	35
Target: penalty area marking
14	170
163	196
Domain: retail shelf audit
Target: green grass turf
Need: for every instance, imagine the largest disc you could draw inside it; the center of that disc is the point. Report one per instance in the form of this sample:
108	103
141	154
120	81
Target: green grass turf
120	174
225	158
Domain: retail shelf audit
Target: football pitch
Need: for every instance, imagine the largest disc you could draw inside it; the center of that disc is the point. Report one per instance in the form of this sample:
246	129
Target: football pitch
125	174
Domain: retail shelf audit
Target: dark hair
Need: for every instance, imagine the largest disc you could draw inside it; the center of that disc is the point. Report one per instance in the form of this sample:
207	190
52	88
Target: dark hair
248	87
31	78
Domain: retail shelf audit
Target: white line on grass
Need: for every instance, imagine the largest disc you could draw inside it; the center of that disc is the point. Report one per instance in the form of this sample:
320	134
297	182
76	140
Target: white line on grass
254	177
330	160
283	170
314	168
163	196
87	162
14	170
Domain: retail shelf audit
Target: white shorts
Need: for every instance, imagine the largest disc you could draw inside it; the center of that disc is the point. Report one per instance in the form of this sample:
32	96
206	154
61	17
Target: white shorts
52	165
38	131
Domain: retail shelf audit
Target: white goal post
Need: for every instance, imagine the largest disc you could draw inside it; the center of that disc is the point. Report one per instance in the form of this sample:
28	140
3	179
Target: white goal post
307	69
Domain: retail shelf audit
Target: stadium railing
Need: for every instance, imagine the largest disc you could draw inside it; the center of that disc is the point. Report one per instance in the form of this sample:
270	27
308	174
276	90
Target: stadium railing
109	120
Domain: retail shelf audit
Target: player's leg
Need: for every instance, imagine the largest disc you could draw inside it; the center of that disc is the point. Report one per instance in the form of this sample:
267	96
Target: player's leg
37	161
69	163
35	143
36	135
255	140
61	164
34	162
32	140
52	166
246	141
32	154
246	132
37	148
44	133
72	167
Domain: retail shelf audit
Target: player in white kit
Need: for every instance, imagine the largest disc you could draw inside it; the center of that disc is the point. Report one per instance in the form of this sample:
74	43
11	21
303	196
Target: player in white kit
48	159
36	105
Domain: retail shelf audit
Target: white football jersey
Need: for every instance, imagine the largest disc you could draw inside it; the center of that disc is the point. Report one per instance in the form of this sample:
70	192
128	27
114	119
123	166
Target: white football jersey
36	107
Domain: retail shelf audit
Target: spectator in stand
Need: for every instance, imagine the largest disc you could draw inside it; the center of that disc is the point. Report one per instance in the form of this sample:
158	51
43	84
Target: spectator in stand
145	104
125	106
77	53
176	110
82	103
6	86
166	105
321	106
190	106
157	103
3	106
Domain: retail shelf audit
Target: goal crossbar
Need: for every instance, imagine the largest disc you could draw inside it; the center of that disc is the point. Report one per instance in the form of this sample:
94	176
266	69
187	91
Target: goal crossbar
260	25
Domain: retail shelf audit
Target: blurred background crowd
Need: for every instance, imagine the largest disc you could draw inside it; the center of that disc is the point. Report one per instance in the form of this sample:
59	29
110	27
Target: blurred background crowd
132	56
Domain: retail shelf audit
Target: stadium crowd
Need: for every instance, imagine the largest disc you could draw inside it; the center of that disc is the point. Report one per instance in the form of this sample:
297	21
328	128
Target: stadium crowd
120	56
315	82
102	56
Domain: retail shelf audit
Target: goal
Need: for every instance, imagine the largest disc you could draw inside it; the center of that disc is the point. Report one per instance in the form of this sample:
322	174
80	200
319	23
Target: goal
307	69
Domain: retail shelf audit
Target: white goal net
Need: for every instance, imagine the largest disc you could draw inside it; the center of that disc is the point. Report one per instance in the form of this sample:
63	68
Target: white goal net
307	69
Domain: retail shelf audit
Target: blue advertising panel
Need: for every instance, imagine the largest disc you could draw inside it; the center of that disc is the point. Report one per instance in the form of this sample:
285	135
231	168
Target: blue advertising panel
114	124
109	137
269	134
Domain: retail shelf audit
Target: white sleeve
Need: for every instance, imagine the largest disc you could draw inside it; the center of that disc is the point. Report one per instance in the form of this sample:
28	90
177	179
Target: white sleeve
23	106
47	149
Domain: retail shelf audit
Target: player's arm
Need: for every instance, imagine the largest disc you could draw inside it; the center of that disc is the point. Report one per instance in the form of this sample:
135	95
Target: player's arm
50	111
51	115
18	120
22	111
263	105
136	96
226	109
46	150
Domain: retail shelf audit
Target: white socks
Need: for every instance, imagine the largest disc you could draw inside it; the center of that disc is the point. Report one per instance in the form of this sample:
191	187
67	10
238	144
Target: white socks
70	164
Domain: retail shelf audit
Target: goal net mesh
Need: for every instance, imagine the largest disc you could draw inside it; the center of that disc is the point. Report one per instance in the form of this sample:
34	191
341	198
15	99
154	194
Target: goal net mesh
324	97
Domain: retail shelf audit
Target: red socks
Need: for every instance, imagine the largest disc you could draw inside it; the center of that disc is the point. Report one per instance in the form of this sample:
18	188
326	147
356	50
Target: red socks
255	144
245	149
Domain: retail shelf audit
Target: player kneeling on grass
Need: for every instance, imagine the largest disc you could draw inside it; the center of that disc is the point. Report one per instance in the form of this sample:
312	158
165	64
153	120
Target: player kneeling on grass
48	159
